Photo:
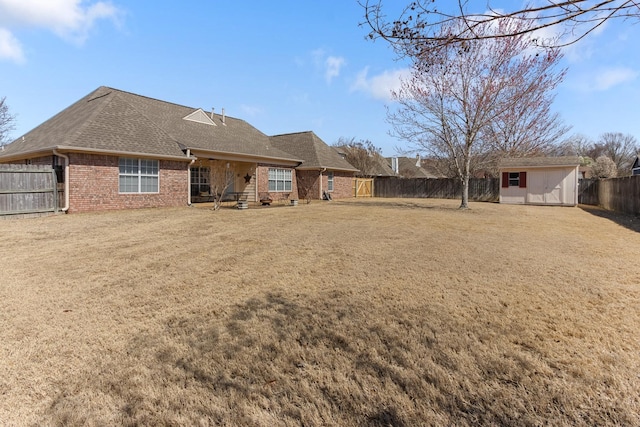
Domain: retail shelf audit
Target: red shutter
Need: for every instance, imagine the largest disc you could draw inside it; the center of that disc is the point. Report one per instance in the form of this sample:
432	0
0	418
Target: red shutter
523	180
505	179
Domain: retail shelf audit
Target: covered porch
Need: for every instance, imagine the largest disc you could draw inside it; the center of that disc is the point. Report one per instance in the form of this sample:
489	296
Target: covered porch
228	180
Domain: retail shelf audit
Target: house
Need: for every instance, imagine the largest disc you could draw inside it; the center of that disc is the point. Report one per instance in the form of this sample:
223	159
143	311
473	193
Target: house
635	169
539	180
114	150
323	170
408	167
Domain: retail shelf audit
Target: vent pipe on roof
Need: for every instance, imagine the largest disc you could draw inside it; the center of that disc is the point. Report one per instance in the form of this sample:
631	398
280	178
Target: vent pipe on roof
394	165
418	161
213	111
223	117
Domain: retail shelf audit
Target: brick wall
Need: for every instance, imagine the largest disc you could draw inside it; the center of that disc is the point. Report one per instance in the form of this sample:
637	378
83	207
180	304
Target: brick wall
342	184
308	181
93	185
262	173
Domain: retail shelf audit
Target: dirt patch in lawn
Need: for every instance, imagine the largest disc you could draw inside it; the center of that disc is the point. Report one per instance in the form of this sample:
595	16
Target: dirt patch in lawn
378	312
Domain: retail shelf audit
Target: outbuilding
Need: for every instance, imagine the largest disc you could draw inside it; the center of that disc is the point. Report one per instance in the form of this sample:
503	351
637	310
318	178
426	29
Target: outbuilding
539	181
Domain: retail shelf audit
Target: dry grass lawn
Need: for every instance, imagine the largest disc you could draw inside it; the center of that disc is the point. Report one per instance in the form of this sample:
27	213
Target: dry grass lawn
377	313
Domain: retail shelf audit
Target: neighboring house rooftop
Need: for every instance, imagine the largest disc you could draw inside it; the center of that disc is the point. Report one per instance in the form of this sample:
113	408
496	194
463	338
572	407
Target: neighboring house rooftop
413	167
117	122
533	162
316	154
635	168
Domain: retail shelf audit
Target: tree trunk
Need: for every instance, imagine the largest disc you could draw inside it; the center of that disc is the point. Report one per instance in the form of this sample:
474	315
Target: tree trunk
465	193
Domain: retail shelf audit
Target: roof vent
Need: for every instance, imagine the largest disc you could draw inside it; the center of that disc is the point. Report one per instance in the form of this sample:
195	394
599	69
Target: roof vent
213	111
223	118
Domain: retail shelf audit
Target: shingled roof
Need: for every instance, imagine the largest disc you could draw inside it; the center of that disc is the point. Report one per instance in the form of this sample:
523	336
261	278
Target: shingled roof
113	121
314	152
533	162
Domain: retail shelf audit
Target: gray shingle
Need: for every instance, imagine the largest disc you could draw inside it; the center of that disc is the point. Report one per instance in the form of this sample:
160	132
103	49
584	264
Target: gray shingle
314	152
540	161
111	120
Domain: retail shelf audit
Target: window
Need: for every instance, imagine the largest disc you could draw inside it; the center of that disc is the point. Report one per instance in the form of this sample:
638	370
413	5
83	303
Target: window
514	179
139	176
330	181
200	181
280	179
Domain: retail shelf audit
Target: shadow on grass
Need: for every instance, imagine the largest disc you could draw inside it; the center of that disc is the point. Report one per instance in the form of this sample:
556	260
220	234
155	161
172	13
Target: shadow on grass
401	204
632	222
329	359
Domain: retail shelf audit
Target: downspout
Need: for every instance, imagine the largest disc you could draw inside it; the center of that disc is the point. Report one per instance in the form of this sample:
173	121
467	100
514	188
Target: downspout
321	172
66	179
189	177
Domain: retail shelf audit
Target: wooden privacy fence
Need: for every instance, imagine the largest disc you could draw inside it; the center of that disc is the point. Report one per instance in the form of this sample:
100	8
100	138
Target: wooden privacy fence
27	189
480	189
616	194
363	187
588	192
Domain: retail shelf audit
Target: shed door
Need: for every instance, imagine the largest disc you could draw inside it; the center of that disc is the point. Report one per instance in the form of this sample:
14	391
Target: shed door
553	191
536	188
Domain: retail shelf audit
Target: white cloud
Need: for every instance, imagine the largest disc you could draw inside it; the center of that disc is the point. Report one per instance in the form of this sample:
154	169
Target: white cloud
380	86
608	78
604	79
333	66
69	19
10	47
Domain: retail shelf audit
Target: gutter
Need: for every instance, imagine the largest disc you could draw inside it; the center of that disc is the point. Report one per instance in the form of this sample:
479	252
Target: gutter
66	179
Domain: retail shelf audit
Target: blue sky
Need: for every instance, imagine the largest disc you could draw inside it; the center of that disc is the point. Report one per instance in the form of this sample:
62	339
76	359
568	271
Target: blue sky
284	66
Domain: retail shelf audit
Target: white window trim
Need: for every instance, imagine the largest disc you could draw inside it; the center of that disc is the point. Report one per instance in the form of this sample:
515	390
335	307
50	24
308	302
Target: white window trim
330	181
139	176
284	180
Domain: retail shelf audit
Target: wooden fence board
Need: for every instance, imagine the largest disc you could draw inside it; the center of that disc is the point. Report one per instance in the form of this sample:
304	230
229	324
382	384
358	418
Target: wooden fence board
480	189
27	189
363	187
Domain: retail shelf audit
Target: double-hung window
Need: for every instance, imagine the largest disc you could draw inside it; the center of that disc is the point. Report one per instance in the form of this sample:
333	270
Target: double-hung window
514	179
330	181
138	175
280	179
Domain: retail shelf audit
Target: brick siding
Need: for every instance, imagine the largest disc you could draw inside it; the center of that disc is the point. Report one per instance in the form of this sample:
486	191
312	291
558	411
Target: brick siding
93	185
342	184
263	184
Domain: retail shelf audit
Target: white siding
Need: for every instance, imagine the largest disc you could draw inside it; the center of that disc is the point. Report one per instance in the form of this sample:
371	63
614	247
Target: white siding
545	186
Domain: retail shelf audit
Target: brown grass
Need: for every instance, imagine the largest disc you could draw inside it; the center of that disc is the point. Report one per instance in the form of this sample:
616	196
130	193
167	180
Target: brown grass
376	312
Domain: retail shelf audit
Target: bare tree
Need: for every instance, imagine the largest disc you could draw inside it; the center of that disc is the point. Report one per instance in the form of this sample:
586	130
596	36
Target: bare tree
221	181
7	122
417	28
620	148
306	184
362	155
575	145
448	109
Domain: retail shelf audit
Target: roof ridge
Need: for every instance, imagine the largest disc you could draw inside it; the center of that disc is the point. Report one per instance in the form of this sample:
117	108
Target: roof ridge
125	92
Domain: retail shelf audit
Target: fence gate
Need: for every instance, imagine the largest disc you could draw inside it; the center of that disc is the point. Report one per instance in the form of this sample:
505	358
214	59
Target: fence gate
363	187
27	189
